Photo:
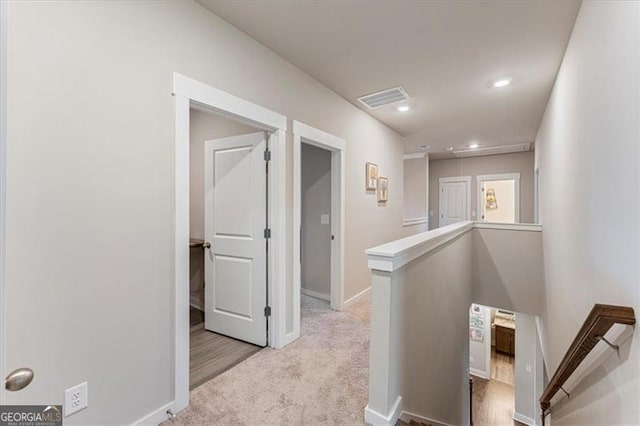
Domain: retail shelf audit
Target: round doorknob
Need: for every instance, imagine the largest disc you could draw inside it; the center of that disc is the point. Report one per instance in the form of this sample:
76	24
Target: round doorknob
206	245
18	379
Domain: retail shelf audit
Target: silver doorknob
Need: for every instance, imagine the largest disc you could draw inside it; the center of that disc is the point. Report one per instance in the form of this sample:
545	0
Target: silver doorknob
18	379
206	245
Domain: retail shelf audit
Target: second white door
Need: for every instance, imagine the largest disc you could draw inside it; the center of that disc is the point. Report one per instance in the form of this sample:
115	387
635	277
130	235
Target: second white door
235	222
454	200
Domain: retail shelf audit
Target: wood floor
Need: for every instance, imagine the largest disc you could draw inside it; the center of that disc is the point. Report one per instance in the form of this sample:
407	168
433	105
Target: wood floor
494	399
212	354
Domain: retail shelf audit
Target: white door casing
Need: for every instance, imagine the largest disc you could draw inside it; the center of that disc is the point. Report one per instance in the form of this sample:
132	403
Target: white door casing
235	222
454	200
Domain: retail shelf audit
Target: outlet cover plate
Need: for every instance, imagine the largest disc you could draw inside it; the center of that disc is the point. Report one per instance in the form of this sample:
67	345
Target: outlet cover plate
76	399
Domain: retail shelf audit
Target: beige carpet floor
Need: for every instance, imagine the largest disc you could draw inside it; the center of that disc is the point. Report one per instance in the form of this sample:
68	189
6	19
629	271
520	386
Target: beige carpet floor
319	379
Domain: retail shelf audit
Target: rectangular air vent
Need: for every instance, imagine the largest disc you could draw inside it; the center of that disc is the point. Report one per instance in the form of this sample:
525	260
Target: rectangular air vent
492	150
384	98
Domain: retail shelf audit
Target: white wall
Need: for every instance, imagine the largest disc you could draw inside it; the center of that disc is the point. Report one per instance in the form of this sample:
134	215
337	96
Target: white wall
526	405
316	237
588	152
480	352
90	187
505	195
416	187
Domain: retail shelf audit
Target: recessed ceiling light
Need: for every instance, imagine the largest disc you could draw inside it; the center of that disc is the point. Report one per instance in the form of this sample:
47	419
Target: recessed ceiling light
450	148
403	108
423	147
474	145
502	82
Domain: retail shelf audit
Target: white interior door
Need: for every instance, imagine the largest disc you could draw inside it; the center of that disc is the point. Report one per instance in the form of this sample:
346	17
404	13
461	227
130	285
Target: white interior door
235	222
454	200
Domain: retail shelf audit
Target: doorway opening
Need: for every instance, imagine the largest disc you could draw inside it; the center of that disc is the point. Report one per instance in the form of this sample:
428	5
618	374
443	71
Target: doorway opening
315	228
188	95
318	222
227	249
499	198
505	366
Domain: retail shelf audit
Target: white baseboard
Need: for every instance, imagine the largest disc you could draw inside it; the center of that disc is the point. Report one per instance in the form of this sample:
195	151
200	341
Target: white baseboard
372	417
315	294
356	298
478	373
407	416
524	419
156	417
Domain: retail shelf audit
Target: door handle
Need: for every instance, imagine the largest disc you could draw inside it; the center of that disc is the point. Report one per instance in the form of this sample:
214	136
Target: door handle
206	245
18	379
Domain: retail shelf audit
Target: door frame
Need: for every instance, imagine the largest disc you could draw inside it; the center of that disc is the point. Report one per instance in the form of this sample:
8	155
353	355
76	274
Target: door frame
188	93
303	133
467	181
3	186
498	176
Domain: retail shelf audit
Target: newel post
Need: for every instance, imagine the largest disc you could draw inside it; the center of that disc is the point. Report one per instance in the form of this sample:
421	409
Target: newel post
385	402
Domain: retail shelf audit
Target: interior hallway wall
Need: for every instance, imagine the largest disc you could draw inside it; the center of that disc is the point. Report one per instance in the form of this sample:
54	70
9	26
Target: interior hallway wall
93	183
588	153
316	236
522	162
203	127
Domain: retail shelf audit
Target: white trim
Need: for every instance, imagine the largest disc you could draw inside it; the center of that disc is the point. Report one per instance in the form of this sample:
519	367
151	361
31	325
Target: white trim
523	419
187	93
317	137
407	417
315	294
394	255
373	417
499	176
478	373
536	195
3	187
355	299
509	226
414	156
229	105
157	416
303	133
465	179
415	221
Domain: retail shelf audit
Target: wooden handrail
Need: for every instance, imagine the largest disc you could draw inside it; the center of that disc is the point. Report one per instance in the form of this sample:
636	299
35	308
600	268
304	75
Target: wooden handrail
600	320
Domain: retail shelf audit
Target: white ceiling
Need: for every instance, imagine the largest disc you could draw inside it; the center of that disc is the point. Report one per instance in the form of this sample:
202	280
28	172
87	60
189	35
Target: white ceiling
445	54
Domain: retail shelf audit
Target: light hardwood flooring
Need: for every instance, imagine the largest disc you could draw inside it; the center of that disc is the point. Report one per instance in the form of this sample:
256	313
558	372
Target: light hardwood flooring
494	399
212	354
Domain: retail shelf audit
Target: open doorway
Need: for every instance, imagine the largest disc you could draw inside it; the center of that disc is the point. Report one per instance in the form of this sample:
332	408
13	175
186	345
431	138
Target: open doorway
228	256
499	198
315	228
318	220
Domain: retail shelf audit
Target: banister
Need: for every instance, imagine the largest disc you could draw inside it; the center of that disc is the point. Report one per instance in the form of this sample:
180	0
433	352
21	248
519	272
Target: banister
598	322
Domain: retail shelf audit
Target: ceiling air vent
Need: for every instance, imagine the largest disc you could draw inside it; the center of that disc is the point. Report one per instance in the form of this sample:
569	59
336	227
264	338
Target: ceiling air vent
492	150
384	98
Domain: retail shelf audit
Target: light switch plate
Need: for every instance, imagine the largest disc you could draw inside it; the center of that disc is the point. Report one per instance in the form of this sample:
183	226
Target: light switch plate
76	399
324	219
528	368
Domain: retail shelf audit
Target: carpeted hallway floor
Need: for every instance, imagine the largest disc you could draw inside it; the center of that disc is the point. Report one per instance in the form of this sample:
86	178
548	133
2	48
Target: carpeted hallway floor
319	379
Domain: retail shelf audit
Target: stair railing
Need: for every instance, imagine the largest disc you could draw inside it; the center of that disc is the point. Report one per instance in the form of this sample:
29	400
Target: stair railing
595	327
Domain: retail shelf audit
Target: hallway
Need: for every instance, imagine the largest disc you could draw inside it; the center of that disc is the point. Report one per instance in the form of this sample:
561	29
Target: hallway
319	379
493	400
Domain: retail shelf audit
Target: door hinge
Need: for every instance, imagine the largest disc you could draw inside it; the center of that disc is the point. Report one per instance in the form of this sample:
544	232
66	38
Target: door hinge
267	155
267	233
267	311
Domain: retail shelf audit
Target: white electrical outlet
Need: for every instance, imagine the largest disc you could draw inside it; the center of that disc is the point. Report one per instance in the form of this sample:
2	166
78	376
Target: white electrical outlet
76	398
528	368
471	359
